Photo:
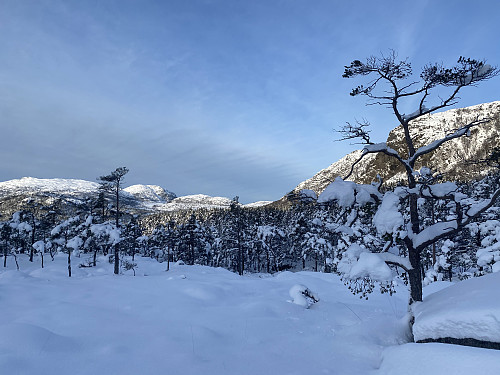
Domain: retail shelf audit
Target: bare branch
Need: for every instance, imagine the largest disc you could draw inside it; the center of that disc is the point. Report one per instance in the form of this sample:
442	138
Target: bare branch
359	130
353	165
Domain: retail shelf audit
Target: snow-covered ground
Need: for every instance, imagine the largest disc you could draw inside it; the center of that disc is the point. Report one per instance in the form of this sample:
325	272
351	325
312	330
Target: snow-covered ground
466	310
200	320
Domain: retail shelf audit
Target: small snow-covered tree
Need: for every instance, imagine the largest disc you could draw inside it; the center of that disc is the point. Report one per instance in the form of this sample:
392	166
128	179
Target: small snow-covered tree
488	252
269	237
102	237
5	240
113	183
65	235
398	219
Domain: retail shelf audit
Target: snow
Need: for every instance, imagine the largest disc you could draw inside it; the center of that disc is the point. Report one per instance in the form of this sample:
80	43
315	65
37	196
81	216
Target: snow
199	320
433	231
189	320
442	189
419	111
257	204
370	265
469	309
346	193
380	147
75	243
340	191
435	359
52	185
303	296
388	219
195	201
151	193
357	263
477	207
148	197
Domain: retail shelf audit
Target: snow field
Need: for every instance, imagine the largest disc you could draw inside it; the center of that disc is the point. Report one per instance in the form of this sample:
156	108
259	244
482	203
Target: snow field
200	320
190	320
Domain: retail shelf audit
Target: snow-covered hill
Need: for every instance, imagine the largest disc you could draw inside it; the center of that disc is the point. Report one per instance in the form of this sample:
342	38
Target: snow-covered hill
150	193
452	159
55	186
257	204
16	194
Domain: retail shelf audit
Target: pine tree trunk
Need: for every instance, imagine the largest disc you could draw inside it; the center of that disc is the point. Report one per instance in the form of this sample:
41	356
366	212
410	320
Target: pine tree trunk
69	263
117	260
415	275
32	249
168	258
117	257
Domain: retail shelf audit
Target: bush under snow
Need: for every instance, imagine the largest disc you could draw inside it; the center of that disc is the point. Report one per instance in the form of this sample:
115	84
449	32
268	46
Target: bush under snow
303	296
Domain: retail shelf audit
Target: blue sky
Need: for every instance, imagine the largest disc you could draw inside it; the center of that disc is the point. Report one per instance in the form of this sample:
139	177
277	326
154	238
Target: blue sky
221	97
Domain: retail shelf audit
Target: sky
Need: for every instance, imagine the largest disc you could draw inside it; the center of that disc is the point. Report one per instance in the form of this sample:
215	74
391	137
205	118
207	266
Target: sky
219	97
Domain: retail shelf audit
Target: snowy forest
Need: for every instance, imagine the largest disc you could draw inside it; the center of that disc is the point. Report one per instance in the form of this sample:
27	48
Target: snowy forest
317	234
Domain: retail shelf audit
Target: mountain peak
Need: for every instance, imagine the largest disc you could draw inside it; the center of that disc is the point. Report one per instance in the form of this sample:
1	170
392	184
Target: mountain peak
152	193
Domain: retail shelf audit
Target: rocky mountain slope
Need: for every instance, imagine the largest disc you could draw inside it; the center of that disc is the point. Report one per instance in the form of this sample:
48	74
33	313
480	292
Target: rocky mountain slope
453	159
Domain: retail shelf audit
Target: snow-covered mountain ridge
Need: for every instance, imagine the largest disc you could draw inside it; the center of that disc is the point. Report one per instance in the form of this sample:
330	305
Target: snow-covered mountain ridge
15	194
453	159
32	185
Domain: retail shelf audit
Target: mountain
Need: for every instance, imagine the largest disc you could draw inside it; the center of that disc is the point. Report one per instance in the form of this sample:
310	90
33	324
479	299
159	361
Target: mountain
71	194
453	159
66	194
150	193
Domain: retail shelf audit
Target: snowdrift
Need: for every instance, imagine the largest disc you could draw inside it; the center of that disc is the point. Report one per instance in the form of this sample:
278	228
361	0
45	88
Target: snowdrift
466	313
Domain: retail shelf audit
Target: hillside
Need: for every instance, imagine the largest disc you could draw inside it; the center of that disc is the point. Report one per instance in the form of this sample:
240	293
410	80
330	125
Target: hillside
453	159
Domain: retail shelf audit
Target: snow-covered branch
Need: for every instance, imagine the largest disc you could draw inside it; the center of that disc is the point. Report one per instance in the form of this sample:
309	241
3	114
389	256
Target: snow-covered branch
396	260
464	130
477	209
434	233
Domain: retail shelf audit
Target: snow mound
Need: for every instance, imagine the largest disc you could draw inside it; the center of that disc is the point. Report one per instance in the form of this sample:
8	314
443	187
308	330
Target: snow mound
467	310
303	296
